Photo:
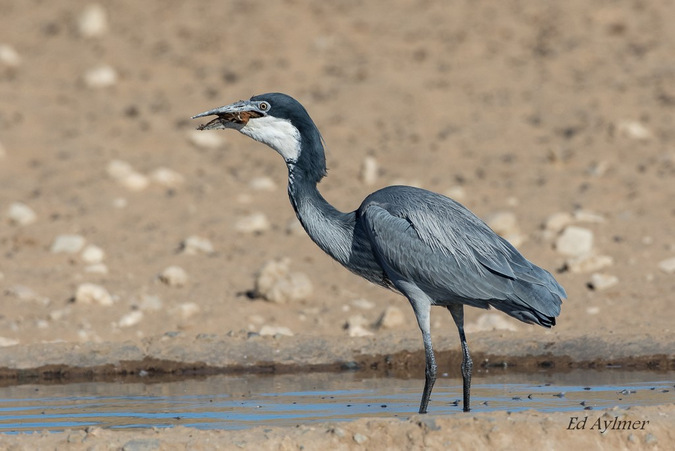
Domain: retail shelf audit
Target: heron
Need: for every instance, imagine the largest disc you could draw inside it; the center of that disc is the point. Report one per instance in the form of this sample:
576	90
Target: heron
423	245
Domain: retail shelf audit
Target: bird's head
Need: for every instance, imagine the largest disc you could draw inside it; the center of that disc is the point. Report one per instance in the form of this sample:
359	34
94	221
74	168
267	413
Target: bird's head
279	121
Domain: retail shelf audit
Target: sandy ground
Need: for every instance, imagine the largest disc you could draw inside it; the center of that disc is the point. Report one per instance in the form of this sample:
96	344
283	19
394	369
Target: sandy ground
524	107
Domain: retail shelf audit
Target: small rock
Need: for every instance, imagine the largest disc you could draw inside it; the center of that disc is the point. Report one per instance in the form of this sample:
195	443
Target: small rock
119	169
167	177
100	77
588	216
574	241
92	254
130	319
89	293
634	130
588	263
135	181
4	342
150	303
504	224
196	245
22	293
253	223
142	444
68	244
9	57
96	268
369	170
174	276
206	139
355	326
557	222
275	330
593	310
93	21
276	283
667	265
392	317
21	214
456	192
363	304
491	321
187	310
262	184
600	281
360	438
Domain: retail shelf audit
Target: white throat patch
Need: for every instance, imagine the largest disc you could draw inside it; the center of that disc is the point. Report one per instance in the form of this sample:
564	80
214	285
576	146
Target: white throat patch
277	133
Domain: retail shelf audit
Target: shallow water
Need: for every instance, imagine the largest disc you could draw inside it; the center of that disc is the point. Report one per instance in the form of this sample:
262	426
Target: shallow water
237	402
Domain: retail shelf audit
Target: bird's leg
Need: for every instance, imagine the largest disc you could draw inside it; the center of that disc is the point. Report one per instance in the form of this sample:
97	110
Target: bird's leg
422	312
429	372
457	312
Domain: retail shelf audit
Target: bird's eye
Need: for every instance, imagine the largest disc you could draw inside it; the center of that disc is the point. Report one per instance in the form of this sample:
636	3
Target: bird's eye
264	106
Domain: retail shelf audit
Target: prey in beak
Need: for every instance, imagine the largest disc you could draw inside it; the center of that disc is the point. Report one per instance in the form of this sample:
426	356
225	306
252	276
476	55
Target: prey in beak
235	115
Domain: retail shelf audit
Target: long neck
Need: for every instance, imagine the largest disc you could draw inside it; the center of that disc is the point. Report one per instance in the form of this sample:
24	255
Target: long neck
331	229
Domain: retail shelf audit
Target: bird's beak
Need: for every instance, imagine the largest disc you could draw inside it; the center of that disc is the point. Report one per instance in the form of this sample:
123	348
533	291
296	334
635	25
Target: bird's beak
235	115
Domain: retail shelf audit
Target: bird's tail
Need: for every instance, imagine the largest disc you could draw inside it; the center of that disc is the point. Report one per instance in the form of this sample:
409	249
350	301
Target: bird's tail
536	298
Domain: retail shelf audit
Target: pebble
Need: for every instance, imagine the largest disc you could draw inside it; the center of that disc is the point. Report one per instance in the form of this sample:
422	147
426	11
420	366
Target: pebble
505	224
593	310
174	276
92	254
574	241
187	310
667	265
135	181
267	330
4	342
22	293
363	304
356	326
369	170
89	293
193	245
21	214
391	318
119	169
262	184
588	263
253	223
150	303
557	222
276	283
96	268
489	322
130	319
206	139
143	444
360	438
100	77
167	177
601	281
68	244
456	192
9	57
588	216
634	129
93	21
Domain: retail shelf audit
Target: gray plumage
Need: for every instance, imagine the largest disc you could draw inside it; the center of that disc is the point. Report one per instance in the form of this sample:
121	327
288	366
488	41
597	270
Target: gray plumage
424	245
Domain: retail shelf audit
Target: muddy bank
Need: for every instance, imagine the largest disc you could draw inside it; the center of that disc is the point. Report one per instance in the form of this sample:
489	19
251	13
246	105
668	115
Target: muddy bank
400	354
